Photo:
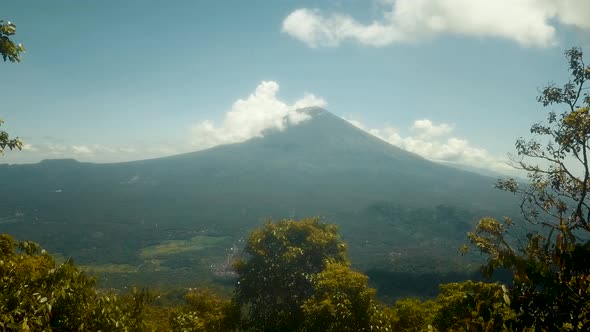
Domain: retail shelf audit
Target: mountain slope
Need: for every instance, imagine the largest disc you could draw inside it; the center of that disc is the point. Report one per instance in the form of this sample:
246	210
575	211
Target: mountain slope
317	166
322	166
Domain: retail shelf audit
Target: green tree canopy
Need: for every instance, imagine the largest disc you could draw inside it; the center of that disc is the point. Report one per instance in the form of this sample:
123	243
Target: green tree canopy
7	142
9	49
280	262
37	294
204	311
473	306
552	266
342	301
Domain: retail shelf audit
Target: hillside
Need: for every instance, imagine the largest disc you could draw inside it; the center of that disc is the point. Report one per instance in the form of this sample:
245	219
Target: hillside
120	215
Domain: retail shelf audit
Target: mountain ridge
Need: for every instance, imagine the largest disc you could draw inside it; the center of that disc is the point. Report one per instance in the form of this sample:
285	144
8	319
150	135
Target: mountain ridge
311	111
315	156
323	166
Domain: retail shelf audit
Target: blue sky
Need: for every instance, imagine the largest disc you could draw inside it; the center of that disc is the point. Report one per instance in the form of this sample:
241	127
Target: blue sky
121	80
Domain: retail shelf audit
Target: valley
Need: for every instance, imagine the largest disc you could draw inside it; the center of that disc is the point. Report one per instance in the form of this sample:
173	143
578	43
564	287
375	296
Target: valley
175	220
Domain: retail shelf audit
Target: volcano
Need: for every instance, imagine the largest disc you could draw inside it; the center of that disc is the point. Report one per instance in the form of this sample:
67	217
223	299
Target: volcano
323	166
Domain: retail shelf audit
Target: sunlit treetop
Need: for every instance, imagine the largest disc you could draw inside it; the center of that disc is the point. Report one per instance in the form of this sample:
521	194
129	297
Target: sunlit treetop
10	51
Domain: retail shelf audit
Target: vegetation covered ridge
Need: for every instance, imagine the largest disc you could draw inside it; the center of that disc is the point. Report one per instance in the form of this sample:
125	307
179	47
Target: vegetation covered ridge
292	276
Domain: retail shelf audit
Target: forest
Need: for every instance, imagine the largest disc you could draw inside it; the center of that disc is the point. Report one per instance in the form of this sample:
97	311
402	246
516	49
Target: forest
298	275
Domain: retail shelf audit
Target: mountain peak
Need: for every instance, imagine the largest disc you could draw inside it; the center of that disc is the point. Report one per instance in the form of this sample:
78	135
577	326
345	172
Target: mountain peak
328	134
312	110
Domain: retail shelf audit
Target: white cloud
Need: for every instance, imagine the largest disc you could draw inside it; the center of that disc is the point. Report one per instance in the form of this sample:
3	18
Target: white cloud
250	117
32	153
247	118
528	22
56	148
425	128
29	147
316	30
81	149
573	12
434	142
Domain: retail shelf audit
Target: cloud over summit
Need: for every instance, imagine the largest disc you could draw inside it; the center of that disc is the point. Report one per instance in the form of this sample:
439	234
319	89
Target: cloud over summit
250	117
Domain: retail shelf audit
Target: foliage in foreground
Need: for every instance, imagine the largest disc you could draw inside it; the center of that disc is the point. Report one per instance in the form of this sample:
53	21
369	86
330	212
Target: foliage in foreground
277	273
551	267
9	50
8	143
38	294
204	311
283	285
341	301
465	306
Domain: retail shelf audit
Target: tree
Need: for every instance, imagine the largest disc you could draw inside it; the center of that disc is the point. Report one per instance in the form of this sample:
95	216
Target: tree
552	265
464	306
412	315
38	294
277	274
8	49
473	306
7	142
342	301
204	311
